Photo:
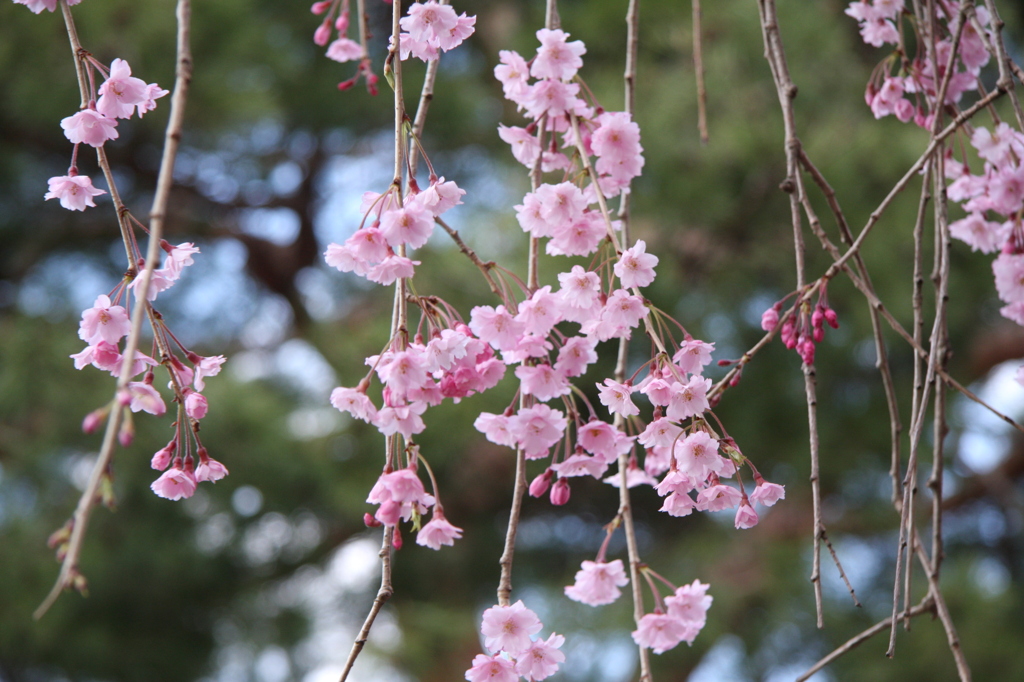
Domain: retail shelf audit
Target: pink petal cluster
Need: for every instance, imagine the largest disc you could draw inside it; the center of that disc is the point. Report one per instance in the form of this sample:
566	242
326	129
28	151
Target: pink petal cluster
508	632
598	583
75	192
431	28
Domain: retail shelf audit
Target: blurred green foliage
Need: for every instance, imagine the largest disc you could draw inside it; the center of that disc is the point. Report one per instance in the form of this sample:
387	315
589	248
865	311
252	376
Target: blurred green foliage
246	574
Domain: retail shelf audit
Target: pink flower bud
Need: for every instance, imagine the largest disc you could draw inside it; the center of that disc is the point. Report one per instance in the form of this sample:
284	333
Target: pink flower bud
819	334
769	319
789	333
323	34
806	350
126	434
560	492
195	404
746	517
832	318
370	521
817	318
93	420
396	539
540	485
162	459
320	7
341	25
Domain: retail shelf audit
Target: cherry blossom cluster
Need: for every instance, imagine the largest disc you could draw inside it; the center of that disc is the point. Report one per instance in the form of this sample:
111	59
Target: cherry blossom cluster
550	101
431	28
102	327
509	633
802	330
550	334
120	96
909	92
994	198
342	49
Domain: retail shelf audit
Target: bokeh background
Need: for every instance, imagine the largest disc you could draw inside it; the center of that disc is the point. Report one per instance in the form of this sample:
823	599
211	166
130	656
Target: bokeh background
266	575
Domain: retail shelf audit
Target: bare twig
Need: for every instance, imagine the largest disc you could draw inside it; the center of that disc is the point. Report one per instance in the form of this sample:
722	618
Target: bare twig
926	605
698	69
1004	62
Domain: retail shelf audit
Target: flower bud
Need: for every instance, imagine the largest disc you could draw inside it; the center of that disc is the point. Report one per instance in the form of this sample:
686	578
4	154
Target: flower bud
396	538
832	318
323	34
560	492
817	318
540	485
320	7
341	25
370	521
769	319
93	420
819	334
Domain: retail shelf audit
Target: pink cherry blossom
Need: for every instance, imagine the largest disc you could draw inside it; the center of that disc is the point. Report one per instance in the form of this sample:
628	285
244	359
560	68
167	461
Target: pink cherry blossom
411	225
554	99
427	21
690	399
496	427
556	58
541	660
344	50
206	367
598	583
616	397
162	458
623	309
636	267
746	517
438	532
768	493
148	103
121	92
175	484
508	628
74	191
660	432
146	398
537	428
576	355
718	497
580	238
89	127
391	269
495	326
678	504
579	288
1009	273
661	632
540	312
492	669
525	147
441	196
103	322
195	404
580	464
690	603
693	355
542	381
211	470
513	73
980	234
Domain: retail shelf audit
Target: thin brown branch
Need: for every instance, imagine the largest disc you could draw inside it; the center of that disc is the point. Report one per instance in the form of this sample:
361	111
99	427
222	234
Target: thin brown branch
383	594
1004	62
698	69
926	605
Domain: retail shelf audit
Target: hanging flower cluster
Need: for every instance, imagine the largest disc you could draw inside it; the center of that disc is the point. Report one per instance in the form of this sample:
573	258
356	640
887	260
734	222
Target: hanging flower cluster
993	198
120	96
